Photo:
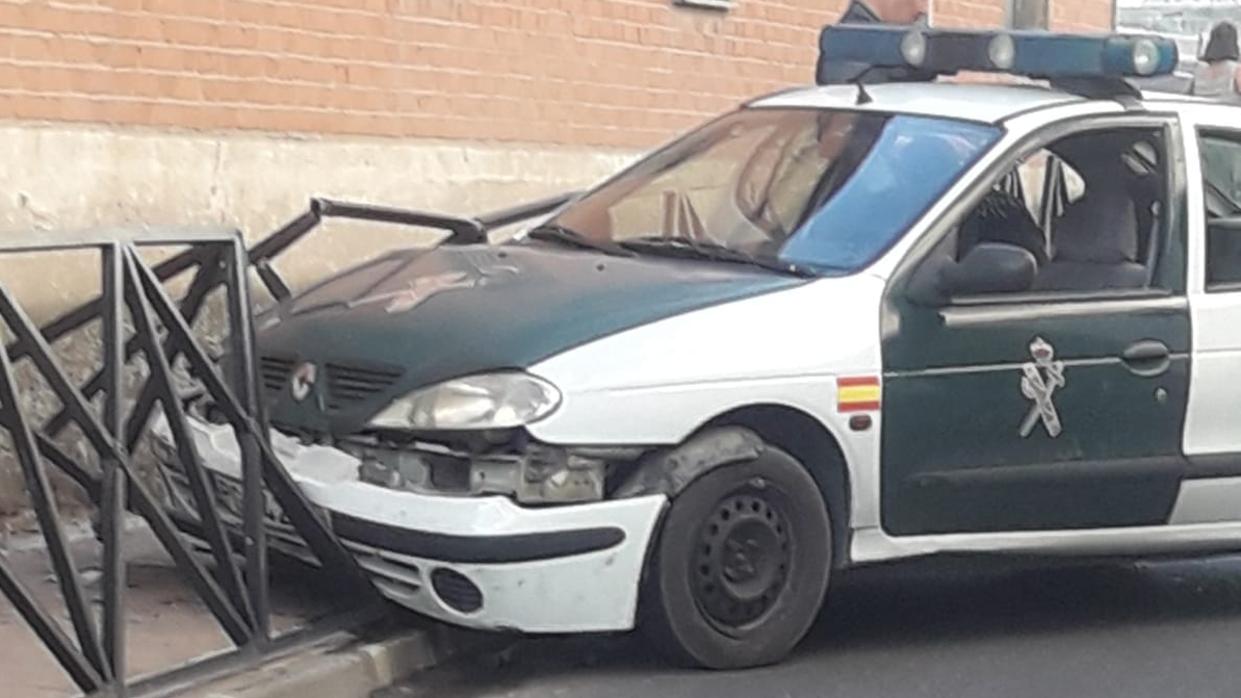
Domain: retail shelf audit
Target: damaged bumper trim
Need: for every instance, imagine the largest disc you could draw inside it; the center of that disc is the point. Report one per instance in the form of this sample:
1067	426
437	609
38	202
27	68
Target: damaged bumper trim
495	549
482	562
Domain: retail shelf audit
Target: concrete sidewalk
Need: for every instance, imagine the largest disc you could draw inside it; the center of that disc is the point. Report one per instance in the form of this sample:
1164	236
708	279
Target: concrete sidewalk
167	626
345	666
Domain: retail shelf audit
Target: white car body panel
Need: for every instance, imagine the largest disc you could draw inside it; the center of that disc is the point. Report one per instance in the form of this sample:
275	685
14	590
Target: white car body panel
594	591
973	102
1211	422
792	356
656	384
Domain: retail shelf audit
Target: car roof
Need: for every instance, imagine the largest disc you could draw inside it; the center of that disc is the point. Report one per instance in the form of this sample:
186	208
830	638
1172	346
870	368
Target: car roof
987	103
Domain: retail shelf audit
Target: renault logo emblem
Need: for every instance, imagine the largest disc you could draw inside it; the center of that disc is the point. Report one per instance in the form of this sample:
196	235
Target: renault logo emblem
303	381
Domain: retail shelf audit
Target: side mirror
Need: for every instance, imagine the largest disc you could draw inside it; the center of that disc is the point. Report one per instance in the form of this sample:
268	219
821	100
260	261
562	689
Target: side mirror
990	267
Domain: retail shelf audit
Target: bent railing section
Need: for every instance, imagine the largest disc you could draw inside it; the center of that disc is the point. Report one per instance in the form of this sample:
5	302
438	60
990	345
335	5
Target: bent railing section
138	317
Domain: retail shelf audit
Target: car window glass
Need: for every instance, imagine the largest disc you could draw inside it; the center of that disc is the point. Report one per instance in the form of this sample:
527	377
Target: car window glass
1048	184
793	184
1032	173
1088	211
824	189
910	165
1221	173
754	183
701	184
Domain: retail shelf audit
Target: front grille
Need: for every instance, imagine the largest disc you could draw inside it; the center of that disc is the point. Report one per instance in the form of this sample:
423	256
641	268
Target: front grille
349	384
457	591
449	474
275	372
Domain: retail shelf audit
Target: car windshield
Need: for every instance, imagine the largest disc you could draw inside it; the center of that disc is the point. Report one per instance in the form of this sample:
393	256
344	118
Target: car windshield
825	190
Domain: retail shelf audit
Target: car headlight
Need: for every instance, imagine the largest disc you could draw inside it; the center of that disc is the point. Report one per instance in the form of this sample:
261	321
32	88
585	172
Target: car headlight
488	401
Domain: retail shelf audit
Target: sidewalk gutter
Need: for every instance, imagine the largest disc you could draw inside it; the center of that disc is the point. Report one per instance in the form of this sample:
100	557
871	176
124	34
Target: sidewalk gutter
345	667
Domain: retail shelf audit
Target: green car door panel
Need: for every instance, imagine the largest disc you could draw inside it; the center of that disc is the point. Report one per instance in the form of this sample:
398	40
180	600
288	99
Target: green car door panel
967	447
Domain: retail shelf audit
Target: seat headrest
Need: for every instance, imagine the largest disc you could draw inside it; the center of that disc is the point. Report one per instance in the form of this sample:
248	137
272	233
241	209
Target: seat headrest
1101	227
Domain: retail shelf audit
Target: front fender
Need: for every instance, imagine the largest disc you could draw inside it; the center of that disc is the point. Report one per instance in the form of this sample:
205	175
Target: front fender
668	472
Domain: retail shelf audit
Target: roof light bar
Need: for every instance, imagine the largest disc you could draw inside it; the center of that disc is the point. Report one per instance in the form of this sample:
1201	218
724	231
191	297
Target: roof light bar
1060	55
1032	54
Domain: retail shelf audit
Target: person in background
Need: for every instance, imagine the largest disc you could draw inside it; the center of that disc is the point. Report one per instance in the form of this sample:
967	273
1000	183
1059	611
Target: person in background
896	12
1218	74
884	12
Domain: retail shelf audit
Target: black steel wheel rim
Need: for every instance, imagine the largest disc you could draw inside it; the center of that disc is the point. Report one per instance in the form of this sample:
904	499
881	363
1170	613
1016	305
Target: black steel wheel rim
742	560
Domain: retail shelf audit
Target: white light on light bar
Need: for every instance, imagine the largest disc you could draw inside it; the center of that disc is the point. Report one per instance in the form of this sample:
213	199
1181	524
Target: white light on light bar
1002	51
913	48
1145	57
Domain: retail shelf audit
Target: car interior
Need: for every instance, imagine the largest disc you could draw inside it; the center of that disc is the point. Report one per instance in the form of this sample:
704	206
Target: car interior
1088	209
1221	159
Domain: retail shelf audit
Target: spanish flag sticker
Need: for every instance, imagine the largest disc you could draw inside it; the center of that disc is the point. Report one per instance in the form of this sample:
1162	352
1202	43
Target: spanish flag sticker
857	394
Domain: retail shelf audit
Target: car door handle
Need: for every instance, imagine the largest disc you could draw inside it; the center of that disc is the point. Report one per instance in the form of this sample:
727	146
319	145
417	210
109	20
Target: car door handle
1149	357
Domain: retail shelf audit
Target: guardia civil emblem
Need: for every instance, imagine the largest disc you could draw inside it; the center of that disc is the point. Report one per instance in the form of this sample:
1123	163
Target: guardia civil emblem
1040	379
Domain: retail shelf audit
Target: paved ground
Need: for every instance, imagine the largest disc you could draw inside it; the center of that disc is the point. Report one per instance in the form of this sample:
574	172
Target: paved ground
167	624
1170	628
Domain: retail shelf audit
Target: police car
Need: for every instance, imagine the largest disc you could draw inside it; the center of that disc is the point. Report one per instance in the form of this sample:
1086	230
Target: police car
844	324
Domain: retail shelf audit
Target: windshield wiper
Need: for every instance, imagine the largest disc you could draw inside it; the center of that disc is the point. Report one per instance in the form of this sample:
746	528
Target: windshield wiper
555	232
681	246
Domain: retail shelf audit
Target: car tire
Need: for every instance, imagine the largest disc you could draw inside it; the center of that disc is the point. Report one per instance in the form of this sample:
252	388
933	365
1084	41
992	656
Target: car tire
741	565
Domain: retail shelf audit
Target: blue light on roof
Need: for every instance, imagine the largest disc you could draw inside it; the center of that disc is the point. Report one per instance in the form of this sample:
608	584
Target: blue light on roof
873	45
1062	55
1033	54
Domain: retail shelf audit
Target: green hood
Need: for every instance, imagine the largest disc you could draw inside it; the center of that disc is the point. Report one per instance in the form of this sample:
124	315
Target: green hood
416	318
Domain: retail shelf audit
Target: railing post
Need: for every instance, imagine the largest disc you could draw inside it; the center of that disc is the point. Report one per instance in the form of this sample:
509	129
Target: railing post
244	380
112	503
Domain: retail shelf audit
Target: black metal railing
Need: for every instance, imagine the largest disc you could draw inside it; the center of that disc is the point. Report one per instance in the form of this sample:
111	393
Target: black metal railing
235	586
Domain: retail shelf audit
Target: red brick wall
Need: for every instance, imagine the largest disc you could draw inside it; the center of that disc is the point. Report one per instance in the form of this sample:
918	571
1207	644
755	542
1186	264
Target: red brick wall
599	72
970	13
1091	16
1065	15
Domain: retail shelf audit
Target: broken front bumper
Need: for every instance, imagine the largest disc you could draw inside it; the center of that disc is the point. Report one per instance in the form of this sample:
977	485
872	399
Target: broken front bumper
481	562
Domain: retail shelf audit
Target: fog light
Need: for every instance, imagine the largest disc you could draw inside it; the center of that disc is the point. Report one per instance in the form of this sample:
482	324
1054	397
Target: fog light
456	590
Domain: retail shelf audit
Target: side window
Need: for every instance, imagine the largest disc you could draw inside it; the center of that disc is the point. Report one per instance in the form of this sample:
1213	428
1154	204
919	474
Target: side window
1221	185
1088	209
1221	172
1045	184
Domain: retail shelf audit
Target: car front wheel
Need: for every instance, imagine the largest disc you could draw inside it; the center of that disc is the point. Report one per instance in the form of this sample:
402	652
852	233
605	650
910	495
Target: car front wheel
741	565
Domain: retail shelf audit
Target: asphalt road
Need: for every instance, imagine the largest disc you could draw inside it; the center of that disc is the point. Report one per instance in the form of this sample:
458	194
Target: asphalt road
953	628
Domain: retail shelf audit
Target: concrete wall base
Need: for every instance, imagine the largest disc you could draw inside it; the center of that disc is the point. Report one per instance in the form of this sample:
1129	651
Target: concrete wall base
62	178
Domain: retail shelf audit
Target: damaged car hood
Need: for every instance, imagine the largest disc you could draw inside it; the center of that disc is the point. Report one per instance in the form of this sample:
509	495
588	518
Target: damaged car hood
341	351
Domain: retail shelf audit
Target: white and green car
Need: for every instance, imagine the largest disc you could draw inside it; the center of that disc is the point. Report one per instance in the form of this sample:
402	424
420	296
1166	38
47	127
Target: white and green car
841	325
